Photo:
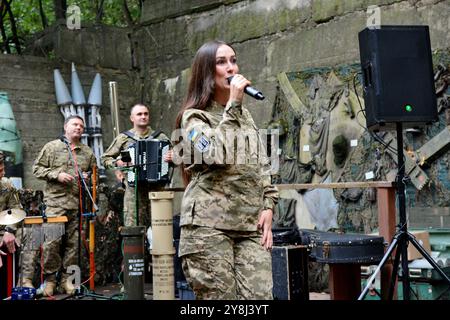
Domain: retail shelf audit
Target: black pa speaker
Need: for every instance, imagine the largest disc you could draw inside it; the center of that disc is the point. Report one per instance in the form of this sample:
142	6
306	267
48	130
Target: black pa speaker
398	77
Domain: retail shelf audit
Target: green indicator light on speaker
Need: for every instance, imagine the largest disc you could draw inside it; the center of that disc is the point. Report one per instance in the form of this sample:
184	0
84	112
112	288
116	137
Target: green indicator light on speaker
408	108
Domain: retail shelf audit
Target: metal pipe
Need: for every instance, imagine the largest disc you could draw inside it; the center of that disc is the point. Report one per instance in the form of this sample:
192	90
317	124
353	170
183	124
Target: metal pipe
91	255
92	232
114	108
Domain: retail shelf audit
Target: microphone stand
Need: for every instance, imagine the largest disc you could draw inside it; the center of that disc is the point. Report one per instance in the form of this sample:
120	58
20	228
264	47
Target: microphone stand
79	173
79	293
135	169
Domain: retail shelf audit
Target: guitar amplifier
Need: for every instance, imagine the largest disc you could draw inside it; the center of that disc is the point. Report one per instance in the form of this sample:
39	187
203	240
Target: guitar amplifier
148	157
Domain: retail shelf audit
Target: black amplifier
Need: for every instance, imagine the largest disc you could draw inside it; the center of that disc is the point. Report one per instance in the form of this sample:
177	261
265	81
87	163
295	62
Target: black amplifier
290	272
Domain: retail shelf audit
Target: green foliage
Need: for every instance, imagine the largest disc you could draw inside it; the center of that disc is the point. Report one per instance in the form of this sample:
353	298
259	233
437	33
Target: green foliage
26	14
29	21
113	13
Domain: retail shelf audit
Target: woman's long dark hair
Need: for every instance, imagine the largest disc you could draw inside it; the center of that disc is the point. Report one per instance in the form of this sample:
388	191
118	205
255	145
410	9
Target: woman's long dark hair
201	85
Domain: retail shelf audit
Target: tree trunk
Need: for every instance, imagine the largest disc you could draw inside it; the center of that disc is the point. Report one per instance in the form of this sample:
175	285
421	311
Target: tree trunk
15	38
42	14
60	7
99	15
127	13
2	29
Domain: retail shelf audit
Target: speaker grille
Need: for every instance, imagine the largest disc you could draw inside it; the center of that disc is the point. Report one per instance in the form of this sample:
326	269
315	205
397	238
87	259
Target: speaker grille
397	71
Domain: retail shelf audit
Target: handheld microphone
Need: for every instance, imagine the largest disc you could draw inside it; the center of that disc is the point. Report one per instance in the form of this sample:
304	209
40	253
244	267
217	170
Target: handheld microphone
255	93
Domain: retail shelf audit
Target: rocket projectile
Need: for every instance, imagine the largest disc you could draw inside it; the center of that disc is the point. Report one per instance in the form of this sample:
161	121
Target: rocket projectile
95	96
77	90
62	93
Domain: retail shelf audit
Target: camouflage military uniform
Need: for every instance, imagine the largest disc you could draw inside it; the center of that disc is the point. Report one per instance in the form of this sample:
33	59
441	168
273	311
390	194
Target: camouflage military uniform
62	199
8	200
121	143
30	257
219	245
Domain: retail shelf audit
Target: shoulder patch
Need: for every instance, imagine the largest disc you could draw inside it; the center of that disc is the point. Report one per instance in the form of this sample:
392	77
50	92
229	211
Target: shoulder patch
192	135
202	144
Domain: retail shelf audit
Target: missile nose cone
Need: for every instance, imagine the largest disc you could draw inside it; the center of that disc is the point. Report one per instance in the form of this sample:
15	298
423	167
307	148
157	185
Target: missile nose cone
77	89
62	93
95	95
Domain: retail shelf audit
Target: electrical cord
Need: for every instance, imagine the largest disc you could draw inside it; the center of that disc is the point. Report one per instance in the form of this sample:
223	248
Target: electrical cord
373	135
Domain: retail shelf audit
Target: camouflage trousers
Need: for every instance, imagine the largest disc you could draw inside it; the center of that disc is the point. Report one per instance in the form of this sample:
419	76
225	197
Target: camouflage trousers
53	260
129	207
225	265
30	257
29	260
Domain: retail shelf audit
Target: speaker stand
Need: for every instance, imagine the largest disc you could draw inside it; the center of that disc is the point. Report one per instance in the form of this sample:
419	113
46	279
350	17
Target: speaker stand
402	237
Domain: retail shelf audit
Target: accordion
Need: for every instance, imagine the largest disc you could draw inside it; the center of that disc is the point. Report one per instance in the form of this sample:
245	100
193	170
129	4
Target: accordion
148	157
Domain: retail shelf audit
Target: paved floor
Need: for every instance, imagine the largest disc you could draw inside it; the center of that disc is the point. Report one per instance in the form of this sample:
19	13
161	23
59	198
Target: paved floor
319	296
112	292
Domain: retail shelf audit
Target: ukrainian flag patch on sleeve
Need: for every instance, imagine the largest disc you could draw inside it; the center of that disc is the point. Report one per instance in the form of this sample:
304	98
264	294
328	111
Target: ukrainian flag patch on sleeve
201	142
192	135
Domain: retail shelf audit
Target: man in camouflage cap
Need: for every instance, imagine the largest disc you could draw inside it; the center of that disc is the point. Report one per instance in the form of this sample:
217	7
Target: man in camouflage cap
140	118
63	191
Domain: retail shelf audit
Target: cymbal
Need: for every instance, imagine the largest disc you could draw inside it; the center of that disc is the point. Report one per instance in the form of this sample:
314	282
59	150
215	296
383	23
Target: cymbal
11	216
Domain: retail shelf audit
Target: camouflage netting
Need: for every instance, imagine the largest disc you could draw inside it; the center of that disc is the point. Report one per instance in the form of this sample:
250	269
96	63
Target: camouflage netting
321	91
359	213
108	253
328	96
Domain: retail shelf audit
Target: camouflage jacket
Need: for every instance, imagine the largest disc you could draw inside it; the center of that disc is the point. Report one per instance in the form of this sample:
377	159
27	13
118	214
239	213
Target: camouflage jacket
8	199
225	194
52	160
122	142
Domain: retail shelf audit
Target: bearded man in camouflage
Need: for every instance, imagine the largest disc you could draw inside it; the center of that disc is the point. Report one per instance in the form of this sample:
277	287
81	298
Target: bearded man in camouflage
63	187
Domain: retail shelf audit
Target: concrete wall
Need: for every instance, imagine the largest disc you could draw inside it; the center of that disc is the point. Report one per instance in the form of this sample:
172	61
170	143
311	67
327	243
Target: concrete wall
270	36
94	45
152	61
29	84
